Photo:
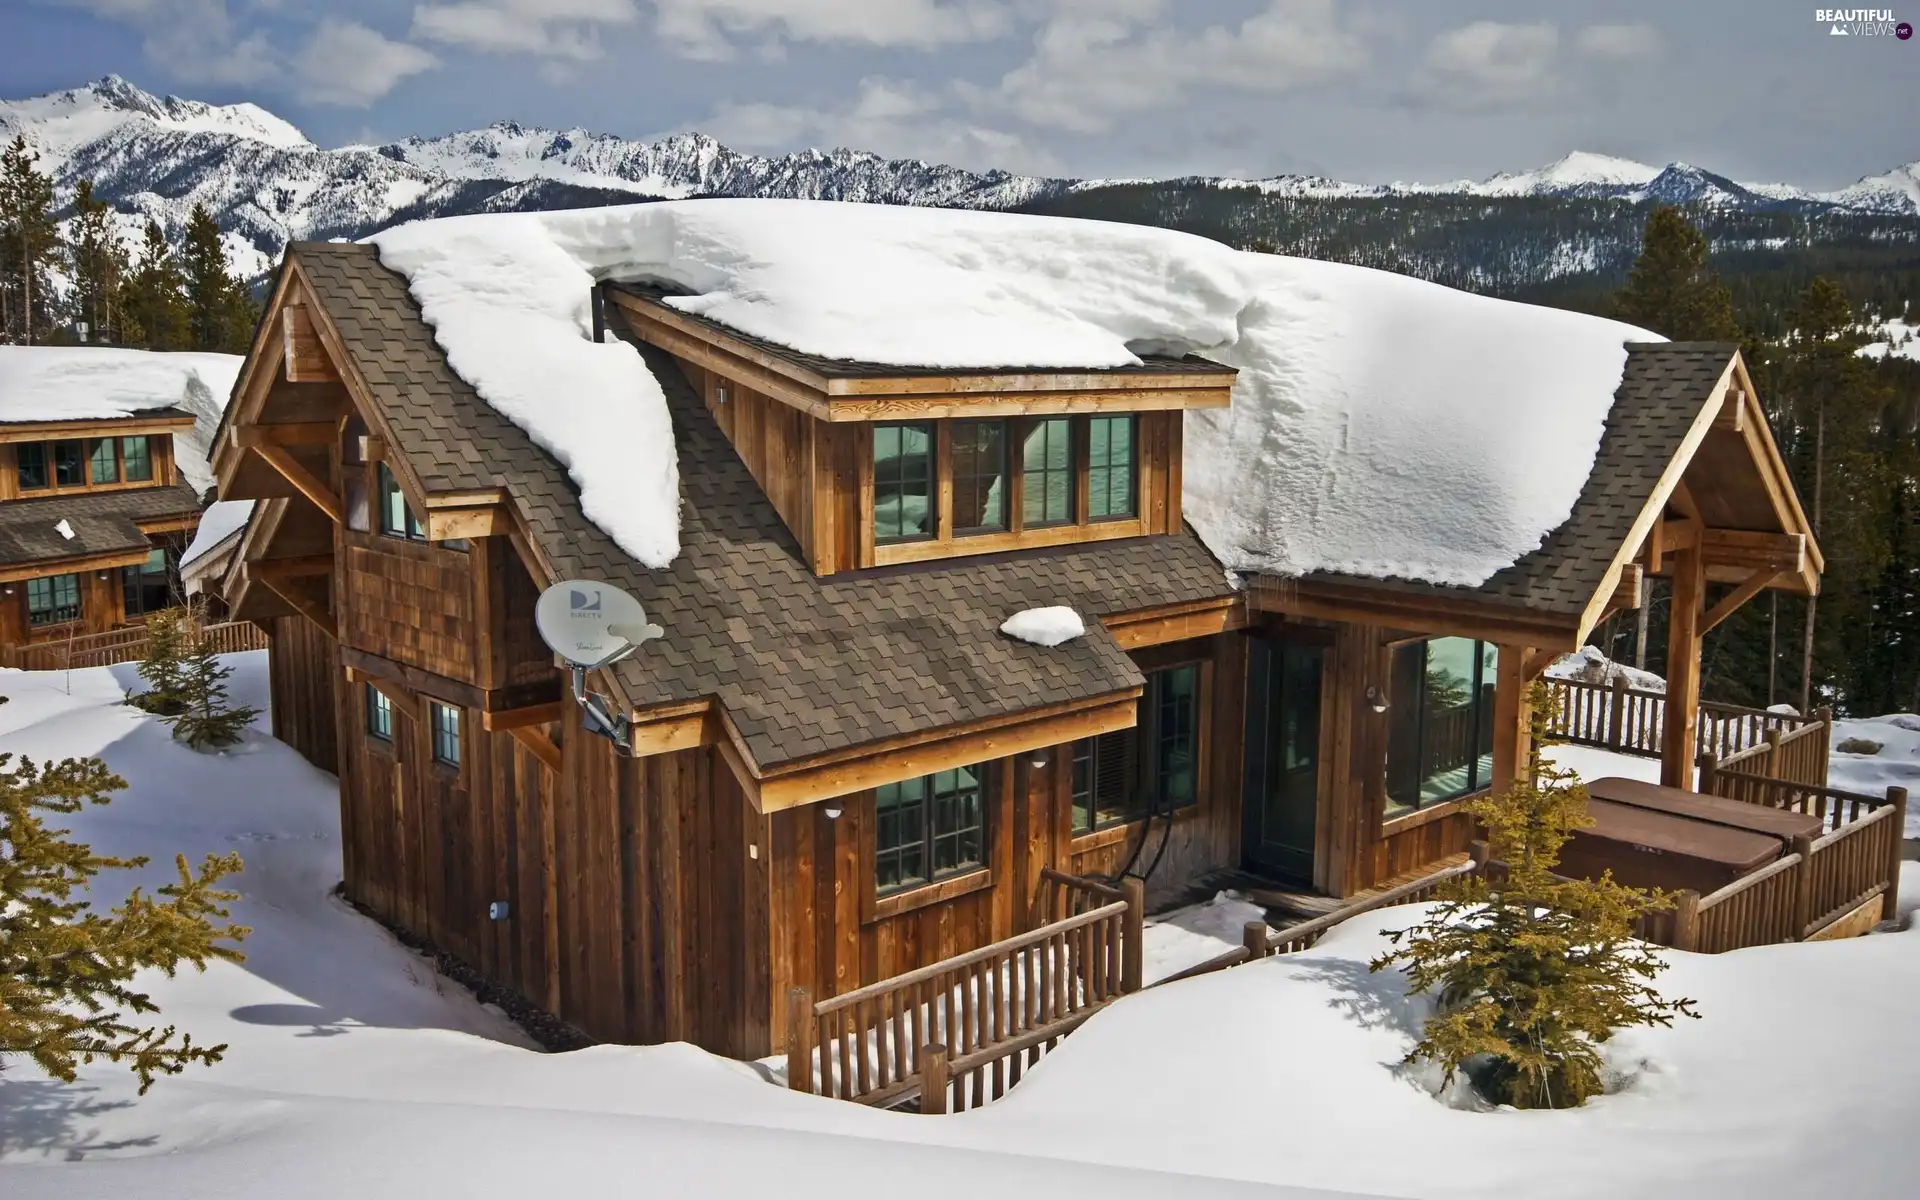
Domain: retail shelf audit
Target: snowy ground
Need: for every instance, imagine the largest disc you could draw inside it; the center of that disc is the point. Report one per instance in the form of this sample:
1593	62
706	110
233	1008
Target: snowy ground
354	1070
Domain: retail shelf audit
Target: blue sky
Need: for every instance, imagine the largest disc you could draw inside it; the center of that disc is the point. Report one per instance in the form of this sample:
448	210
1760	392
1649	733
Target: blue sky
1370	90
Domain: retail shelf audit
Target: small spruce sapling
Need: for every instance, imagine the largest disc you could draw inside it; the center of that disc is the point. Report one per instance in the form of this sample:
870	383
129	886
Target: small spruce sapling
164	667
66	969
1534	972
206	717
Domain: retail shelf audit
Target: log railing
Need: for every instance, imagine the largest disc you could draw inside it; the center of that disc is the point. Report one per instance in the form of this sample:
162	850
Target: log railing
123	645
1834	806
1627	720
960	1032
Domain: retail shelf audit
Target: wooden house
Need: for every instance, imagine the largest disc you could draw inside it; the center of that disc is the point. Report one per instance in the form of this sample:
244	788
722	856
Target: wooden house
841	769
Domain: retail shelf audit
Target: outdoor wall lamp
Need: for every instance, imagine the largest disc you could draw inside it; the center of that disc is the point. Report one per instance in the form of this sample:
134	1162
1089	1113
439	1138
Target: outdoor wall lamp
1039	758
833	812
1376	699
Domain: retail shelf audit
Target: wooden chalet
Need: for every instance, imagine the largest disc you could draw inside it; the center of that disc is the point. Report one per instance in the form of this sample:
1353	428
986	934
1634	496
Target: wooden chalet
93	519
842	771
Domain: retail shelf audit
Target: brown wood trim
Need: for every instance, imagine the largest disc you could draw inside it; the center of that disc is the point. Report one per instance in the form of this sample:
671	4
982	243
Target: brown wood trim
302	479
304	359
449	691
1099	839
921	897
1176	622
1060	402
42	568
509	719
1431	616
1428	815
179	524
67	431
994	543
300	601
535	739
290	433
481	521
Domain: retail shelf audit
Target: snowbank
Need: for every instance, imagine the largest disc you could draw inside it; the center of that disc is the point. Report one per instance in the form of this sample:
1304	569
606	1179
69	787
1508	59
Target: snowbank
1045	626
1895	764
221	520
77	383
1380	425
1589	664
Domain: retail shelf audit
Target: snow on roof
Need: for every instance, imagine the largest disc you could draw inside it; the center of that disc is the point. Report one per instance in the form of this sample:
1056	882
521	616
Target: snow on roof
1380	426
1048	626
78	383
222	520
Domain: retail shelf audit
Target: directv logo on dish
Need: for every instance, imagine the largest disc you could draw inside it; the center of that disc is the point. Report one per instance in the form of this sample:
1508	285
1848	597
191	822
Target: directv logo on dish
1862	22
583	602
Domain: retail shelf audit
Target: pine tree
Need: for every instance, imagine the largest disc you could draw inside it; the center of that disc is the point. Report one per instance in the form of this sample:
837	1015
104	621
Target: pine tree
169	642
207	718
97	262
1670	289
66	969
219	312
156	300
1532	974
29	240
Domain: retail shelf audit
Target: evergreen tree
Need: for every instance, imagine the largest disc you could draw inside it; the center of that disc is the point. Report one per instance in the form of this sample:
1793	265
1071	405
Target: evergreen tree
29	239
207	718
1670	289
97	262
169	643
66	969
1532	974
156	297
219	312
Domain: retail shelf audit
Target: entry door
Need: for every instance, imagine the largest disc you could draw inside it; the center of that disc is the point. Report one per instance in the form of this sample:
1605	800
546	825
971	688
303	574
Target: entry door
1283	759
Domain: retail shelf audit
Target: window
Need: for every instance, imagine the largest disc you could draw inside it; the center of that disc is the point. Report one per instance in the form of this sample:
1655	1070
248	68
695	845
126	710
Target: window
69	459
396	516
53	599
446	733
1440	725
379	713
136	459
1153	768
1046	467
929	828
1110	458
149	586
979	476
903	481
102	466
32	457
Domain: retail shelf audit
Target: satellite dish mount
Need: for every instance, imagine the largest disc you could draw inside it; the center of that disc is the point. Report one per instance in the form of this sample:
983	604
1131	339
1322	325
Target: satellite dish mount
593	625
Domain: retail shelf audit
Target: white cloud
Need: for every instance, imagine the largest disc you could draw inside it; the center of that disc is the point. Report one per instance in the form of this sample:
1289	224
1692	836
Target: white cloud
709	29
1096	63
1488	63
554	29
346	63
193	40
1619	42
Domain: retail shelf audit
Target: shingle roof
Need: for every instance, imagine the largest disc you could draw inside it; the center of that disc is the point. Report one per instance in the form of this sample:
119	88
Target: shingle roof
102	522
803	665
1661	393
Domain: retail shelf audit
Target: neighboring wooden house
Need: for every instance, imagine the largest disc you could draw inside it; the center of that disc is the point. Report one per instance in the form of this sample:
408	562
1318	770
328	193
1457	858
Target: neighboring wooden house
841	769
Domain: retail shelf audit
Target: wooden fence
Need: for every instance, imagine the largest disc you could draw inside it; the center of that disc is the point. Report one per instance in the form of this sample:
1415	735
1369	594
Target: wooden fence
960	1032
1630	720
123	645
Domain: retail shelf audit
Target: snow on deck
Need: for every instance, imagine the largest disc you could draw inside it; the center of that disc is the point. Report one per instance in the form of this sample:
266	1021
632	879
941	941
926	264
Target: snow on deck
1380	425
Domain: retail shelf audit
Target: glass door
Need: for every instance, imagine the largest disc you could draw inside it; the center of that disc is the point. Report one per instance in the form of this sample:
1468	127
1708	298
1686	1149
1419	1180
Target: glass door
1283	758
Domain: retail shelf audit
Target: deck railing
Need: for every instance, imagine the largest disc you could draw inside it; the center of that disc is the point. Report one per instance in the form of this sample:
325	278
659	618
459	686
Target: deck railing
123	645
1628	720
960	1032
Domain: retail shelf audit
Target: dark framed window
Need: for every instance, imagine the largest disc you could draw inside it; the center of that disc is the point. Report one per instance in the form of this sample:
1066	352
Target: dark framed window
102	465
396	515
136	459
32	459
445	720
1046	467
930	828
979	477
1440	722
379	713
148	588
69	464
1111	453
53	599
903	481
1152	768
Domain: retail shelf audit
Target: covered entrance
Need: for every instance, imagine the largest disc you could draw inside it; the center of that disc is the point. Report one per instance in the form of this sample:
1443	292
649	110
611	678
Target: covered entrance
1283	757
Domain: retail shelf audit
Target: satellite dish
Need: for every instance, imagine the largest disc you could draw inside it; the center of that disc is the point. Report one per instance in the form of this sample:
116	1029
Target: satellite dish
591	624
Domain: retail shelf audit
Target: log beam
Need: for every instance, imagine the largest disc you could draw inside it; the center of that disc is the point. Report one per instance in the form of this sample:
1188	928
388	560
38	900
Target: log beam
1683	671
1729	604
301	567
507	720
300	600
539	745
1782	553
293	433
303	480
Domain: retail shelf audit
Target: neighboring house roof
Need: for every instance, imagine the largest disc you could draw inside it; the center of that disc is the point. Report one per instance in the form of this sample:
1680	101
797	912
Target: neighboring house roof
102	522
53	425
803	665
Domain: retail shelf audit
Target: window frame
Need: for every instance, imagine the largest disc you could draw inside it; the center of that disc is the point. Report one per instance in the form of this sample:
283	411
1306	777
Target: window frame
1480	707
133	580
78	448
934	465
411	528
43	460
978	479
379	713
1023	430
94	447
444	736
146	456
54	607
977	871
1132	424
1145	745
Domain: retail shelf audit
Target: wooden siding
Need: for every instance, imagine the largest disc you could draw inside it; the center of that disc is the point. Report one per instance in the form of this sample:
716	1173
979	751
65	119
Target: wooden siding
411	602
303	675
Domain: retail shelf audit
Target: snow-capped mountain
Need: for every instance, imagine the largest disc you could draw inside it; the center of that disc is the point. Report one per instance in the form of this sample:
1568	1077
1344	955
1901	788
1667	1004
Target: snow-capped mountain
267	183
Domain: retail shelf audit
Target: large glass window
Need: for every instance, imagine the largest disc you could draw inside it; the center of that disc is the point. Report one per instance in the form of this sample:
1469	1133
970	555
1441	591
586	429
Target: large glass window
149	587
979	476
1046	464
53	599
1110	467
446	733
929	828
396	515
1440	725
102	466
379	713
136	456
32	457
69	464
1152	768
903	481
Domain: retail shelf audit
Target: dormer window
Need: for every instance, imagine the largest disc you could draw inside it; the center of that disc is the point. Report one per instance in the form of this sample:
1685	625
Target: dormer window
903	481
396	515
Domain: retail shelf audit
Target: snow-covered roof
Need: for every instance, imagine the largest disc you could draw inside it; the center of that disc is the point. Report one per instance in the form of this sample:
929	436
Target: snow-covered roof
220	523
1380	426
79	383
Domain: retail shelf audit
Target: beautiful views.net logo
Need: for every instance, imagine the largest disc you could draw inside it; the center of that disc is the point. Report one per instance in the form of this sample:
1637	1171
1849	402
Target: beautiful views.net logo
1862	22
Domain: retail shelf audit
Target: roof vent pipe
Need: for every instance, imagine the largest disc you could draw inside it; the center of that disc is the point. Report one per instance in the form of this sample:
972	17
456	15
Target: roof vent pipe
599	316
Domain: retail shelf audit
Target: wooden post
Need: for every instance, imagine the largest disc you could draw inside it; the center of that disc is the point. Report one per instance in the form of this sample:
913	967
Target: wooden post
1479	852
1709	770
1891	909
1511	728
1826	744
1772	738
1617	712
1682	718
1802	886
1133	936
1254	936
1686	919
933	1080
799	1040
